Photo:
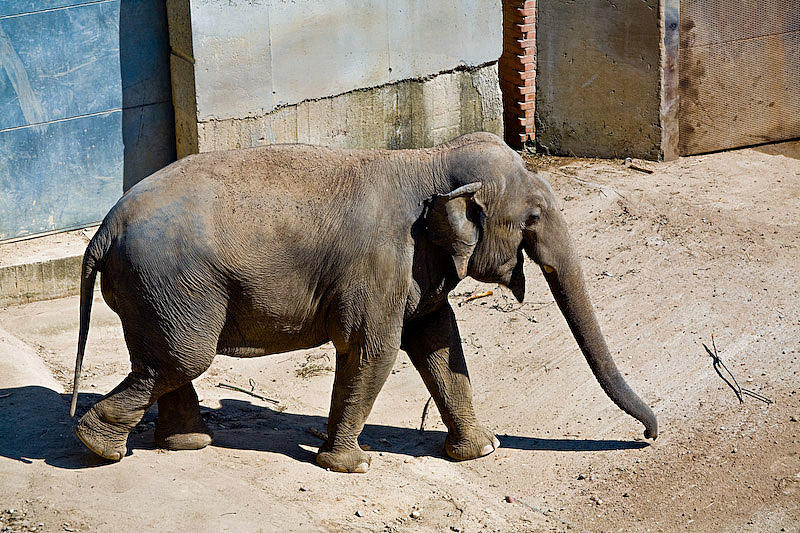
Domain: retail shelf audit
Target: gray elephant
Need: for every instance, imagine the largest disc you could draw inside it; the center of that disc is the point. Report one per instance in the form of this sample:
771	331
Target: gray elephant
278	248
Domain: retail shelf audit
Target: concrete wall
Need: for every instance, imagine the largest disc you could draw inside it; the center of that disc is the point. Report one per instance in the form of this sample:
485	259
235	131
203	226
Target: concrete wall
407	114
599	78
248	72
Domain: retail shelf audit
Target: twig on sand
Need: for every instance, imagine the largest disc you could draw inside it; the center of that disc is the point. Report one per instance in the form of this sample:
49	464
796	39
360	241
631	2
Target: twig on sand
604	189
732	383
511	308
6	395
312	366
478	295
425	414
250	392
317	433
628	163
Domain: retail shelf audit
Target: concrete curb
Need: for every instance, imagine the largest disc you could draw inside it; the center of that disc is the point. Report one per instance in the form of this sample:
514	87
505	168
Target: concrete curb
41	280
42	268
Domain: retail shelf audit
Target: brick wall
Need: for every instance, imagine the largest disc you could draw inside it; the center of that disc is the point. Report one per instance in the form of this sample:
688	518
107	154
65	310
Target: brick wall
517	67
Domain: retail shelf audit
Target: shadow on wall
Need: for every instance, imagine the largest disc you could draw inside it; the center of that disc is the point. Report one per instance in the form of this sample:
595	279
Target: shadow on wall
34	425
148	124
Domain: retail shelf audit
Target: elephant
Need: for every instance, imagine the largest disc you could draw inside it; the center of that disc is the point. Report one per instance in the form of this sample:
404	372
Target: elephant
276	248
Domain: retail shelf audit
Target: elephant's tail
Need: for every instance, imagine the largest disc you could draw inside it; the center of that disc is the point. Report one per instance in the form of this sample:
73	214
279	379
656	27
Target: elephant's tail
92	263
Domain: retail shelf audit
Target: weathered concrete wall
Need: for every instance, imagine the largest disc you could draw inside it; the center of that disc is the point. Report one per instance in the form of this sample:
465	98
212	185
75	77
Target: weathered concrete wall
407	114
598	84
41	280
366	73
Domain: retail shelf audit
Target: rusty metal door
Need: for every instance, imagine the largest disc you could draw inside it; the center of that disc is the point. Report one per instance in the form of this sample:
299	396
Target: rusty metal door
739	73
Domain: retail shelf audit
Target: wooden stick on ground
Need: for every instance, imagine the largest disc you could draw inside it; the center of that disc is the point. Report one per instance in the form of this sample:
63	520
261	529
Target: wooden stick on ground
738	390
631	165
317	433
478	295
250	392
425	413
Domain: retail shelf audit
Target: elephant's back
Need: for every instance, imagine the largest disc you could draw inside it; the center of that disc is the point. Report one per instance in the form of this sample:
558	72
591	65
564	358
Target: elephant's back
162	227
286	169
295	215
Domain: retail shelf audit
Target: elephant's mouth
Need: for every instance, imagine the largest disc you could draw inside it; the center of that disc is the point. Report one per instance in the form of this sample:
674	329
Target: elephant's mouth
517	281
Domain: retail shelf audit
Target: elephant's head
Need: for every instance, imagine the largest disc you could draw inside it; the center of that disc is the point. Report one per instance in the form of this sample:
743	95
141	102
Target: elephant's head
511	210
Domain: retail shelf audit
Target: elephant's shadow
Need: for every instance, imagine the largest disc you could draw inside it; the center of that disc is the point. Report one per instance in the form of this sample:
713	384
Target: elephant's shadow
34	425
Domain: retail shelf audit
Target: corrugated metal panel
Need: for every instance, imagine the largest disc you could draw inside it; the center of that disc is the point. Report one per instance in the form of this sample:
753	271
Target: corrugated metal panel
739	73
85	103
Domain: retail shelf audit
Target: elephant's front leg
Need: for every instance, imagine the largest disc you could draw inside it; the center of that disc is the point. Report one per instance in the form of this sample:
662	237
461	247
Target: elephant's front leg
434	346
361	371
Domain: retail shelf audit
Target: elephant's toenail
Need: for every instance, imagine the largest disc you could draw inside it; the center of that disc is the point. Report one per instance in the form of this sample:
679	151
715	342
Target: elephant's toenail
487	450
495	442
362	468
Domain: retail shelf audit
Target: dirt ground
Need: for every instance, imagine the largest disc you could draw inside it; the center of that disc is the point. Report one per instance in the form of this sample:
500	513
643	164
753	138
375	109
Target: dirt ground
703	246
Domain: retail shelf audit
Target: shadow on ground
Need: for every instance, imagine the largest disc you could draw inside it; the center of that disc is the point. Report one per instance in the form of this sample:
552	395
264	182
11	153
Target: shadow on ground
787	149
34	425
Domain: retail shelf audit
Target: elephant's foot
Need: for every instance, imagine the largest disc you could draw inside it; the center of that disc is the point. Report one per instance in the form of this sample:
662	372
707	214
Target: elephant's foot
193	435
106	439
179	425
347	460
470	444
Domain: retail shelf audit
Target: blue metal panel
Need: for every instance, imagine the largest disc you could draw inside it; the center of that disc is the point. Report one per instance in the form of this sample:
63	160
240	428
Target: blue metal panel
10	103
59	175
60	64
20	7
148	123
85	103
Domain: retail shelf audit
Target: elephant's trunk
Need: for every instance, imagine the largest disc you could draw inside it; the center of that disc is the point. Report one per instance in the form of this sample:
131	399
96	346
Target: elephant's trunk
566	283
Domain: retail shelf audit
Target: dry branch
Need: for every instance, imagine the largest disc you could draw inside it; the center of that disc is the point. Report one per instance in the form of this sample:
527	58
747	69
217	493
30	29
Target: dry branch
250	392
732	383
478	295
425	414
631	165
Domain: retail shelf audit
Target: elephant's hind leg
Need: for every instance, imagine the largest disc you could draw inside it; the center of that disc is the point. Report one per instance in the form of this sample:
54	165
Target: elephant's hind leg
179	425
105	427
172	319
163	368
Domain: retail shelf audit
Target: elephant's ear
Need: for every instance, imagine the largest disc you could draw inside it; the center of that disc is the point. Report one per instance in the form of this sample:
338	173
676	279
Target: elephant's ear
453	223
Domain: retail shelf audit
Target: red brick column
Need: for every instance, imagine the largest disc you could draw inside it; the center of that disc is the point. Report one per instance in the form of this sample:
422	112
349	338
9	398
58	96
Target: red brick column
517	68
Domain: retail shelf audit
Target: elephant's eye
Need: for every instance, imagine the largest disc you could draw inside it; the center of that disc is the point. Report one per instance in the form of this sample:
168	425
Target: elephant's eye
532	219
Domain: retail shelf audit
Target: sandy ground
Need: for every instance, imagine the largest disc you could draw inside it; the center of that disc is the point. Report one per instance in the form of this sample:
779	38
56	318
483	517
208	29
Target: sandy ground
704	245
